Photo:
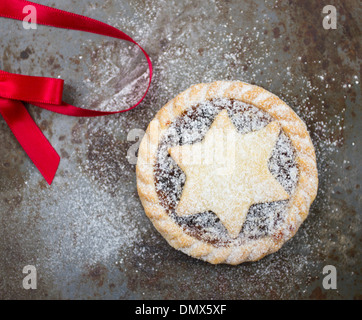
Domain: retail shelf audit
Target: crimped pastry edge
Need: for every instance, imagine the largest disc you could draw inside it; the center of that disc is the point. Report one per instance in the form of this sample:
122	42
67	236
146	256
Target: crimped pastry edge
300	201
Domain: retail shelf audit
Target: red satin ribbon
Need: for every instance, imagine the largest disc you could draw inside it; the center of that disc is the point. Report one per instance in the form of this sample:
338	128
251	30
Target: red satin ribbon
44	92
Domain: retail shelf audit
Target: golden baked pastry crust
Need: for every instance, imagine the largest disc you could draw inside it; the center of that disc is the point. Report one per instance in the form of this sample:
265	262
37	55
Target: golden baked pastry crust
299	202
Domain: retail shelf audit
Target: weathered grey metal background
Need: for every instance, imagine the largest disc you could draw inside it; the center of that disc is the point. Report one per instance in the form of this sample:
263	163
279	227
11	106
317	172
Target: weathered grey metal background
87	234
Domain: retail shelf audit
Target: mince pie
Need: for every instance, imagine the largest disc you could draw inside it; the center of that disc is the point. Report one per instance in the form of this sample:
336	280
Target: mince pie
227	172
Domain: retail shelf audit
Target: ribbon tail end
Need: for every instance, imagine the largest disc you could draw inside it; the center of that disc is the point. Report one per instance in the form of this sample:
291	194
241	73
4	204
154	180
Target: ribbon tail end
51	171
35	144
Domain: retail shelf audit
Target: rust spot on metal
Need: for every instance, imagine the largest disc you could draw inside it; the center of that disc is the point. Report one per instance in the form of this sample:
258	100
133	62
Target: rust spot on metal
276	32
97	273
318	294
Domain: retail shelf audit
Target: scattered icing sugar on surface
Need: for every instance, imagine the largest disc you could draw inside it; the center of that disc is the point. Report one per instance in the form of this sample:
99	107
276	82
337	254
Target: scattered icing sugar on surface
115	251
264	54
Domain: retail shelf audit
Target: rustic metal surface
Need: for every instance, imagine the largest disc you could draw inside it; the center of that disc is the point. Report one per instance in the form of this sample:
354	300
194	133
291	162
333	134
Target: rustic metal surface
87	234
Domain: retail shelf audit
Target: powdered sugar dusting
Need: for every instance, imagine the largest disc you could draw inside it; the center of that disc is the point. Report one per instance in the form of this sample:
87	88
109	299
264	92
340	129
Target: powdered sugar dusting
260	44
278	45
191	127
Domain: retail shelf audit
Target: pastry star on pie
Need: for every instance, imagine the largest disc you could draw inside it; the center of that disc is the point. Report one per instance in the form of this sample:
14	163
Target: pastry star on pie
246	181
226	172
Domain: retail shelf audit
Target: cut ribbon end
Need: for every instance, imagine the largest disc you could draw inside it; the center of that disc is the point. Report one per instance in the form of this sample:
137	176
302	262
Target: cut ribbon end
51	170
30	137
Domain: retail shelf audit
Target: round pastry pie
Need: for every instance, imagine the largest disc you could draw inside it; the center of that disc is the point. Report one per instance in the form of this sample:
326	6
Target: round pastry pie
226	172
